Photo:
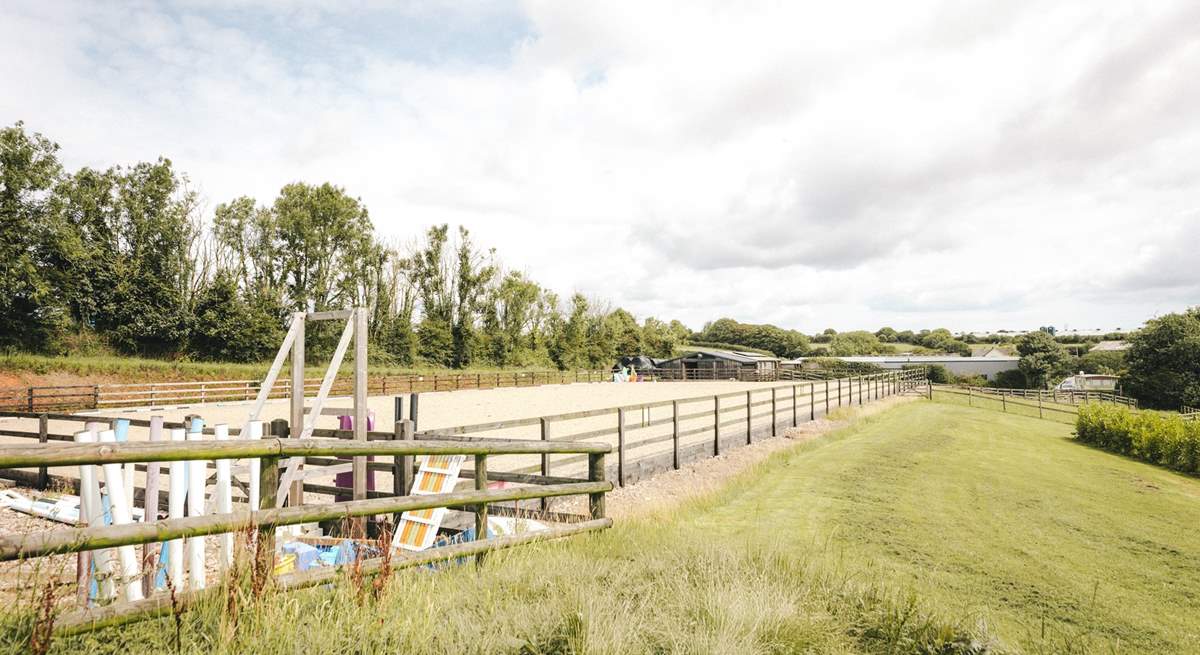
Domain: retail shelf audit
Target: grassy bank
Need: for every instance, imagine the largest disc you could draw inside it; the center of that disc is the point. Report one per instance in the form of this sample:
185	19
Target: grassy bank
929	528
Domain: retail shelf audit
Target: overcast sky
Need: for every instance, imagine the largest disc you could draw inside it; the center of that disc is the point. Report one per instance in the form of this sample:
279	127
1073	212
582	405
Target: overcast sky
971	165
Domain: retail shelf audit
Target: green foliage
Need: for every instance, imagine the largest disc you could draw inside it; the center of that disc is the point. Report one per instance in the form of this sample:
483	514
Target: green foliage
859	342
1163	439
230	329
941	340
938	374
840	366
1164	361
31	313
1106	362
1010	379
887	335
1042	358
778	341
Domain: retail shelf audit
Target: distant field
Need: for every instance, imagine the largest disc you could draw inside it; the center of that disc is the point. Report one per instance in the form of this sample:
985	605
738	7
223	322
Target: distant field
930	528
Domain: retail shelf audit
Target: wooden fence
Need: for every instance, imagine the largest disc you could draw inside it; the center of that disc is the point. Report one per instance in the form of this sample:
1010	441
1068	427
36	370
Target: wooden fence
717	422
269	453
1066	396
98	396
1189	413
1061	407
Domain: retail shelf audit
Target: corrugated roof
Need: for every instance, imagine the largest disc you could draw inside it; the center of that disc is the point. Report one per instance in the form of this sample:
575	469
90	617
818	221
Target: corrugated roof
741	357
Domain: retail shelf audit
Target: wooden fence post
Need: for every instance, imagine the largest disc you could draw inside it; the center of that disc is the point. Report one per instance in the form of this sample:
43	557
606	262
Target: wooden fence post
545	425
1003	401
1040	405
43	476
826	397
749	417
265	551
812	402
675	434
839	392
620	447
860	390
596	474
481	510
716	425
29	391
774	417
969	404
795	418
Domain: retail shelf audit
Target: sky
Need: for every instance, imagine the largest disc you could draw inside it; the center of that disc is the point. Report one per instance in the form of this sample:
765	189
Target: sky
970	165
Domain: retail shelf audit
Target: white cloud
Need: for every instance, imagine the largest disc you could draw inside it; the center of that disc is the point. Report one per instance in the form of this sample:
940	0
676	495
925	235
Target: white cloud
847	164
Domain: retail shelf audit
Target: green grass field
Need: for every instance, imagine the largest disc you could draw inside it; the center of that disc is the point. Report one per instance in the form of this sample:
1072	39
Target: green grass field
929	528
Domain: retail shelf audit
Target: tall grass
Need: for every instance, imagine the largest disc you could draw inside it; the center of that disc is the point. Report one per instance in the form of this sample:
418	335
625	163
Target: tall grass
642	588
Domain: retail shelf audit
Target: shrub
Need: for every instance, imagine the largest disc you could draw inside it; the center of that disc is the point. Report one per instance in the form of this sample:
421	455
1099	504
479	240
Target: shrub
1163	439
844	367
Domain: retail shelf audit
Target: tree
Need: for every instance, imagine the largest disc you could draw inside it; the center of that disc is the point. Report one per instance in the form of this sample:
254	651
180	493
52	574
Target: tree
859	342
626	334
229	329
1042	358
886	335
31	313
1105	362
1164	361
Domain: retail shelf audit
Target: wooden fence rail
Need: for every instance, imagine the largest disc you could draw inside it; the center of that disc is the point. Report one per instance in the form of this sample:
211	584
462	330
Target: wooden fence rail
1044	406
271	452
96	396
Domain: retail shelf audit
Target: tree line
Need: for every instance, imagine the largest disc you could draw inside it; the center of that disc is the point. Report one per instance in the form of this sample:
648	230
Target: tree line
122	259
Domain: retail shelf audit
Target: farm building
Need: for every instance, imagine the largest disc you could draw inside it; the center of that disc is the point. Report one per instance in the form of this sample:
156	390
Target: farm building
637	362
722	364
987	366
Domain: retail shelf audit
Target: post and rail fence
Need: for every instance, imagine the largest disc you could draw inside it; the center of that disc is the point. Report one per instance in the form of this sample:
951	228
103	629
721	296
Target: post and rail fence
268	454
99	396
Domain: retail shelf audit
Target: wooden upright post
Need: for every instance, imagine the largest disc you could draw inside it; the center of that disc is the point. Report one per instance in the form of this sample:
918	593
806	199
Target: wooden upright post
795	418
812	402
827	397
620	447
43	475
749	417
359	463
596	474
481	510
265	550
675	434
545	425
774	417
716	425
296	494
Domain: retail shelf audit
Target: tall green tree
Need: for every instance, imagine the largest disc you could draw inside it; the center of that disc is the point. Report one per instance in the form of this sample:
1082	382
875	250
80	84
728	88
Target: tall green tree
1042	359
31	313
1163	361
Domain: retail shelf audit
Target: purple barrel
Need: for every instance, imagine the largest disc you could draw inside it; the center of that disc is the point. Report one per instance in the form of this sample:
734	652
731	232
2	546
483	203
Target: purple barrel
346	480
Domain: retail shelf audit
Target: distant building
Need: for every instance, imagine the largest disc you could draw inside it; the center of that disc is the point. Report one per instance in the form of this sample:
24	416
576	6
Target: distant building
722	364
1110	346
987	367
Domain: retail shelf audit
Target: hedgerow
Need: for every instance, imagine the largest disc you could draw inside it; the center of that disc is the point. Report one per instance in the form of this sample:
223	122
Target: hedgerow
1155	437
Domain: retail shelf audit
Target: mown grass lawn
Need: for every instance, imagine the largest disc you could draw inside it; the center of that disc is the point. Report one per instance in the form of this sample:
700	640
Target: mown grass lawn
929	528
1056	546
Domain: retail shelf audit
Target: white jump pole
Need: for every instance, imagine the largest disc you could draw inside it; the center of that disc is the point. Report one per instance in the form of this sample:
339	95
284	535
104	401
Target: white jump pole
103	561
254	431
121	430
91	510
195	504
114	479
178	495
224	493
